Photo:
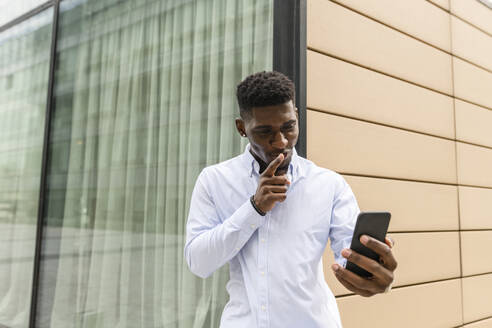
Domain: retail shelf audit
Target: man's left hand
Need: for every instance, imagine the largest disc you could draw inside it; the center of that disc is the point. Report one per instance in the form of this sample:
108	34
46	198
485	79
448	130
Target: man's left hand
382	271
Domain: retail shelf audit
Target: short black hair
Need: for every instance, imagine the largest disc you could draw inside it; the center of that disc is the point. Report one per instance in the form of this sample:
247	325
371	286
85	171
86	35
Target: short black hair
264	89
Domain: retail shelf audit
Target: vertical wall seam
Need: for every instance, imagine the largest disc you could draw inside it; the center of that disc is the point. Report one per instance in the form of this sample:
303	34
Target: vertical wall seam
456	164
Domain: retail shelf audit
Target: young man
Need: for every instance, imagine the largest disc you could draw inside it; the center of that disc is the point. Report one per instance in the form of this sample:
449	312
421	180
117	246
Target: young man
269	213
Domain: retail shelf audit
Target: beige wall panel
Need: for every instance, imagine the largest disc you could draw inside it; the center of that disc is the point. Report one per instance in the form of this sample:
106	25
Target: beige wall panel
340	87
444	4
418	18
338	31
474	12
475	208
473	123
426	256
350	146
487	323
430	305
475	253
477	299
474	165
412	252
472	83
414	206
471	43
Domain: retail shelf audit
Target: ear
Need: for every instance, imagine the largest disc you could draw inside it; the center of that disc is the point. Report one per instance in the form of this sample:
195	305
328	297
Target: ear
297	113
240	127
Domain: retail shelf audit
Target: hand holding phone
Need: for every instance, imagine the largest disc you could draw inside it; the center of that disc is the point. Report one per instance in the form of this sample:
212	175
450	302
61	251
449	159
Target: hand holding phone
372	254
374	224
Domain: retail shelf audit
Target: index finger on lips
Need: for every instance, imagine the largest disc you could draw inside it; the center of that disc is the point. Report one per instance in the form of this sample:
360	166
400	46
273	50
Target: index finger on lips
382	249
272	167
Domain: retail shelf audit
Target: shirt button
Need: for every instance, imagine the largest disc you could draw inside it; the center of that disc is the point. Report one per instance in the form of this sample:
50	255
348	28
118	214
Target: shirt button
237	249
262	240
263	307
252	226
262	273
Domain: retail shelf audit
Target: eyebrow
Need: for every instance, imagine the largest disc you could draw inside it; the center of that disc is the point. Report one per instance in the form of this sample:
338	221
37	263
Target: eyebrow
269	126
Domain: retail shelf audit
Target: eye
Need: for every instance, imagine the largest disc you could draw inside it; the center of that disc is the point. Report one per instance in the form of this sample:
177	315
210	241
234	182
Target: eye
263	132
290	127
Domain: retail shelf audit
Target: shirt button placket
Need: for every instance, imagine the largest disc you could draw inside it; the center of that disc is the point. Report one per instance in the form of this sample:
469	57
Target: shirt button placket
263	274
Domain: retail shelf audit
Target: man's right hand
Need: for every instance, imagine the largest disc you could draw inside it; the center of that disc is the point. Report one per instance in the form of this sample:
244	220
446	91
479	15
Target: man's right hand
271	188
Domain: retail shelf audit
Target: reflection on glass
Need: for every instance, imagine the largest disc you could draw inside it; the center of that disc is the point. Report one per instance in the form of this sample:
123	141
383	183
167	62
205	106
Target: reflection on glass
24	66
145	98
10	10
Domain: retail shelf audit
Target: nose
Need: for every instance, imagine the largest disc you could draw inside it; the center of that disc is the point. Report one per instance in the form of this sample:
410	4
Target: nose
279	140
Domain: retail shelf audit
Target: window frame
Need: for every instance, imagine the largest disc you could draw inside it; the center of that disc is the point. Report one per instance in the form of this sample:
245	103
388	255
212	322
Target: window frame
289	54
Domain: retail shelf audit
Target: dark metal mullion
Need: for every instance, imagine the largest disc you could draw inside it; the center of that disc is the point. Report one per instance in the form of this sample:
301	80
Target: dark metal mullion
27	15
300	64
44	168
289	54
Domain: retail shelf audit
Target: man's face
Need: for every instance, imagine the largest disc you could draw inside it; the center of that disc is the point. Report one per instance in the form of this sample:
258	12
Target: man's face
271	130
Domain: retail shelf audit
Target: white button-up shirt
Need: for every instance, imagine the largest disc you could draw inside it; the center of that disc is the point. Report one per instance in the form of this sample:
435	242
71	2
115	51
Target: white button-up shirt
275	261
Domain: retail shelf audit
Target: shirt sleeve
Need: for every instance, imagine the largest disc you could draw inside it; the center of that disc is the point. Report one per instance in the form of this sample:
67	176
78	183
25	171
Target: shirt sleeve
343	217
211	243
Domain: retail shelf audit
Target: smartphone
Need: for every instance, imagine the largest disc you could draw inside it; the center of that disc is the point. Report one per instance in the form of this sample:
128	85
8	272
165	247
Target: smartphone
374	224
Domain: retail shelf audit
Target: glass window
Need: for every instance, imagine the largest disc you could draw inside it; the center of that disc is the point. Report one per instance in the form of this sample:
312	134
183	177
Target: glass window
24	67
488	3
145	98
10	10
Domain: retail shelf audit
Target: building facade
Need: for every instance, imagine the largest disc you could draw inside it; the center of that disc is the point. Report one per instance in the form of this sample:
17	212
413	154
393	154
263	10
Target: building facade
399	97
109	109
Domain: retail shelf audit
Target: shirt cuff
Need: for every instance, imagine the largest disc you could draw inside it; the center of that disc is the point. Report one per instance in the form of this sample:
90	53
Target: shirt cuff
340	259
246	218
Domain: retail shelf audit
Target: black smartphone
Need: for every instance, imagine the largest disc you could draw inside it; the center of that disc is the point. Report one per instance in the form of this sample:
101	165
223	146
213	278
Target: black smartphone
374	224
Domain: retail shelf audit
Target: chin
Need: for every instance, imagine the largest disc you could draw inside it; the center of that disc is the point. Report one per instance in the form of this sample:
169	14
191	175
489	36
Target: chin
284	167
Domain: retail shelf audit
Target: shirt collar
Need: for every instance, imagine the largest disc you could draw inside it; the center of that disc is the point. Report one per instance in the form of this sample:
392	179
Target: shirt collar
253	166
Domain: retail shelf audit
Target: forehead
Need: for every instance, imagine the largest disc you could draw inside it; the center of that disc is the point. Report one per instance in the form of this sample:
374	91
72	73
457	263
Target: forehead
272	115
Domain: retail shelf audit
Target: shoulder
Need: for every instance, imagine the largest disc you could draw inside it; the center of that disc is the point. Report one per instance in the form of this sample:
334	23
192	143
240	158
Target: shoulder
322	174
223	170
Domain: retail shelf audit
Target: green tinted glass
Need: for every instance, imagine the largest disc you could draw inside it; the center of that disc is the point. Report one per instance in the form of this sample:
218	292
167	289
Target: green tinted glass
145	98
24	66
